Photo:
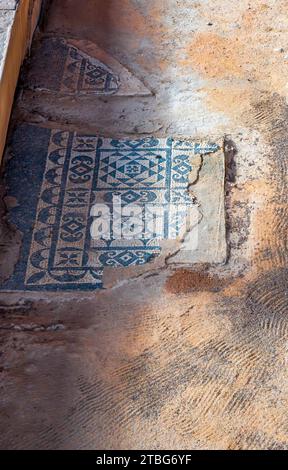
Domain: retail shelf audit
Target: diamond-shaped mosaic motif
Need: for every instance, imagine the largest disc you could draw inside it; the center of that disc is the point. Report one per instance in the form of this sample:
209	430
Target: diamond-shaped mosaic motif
82	75
133	169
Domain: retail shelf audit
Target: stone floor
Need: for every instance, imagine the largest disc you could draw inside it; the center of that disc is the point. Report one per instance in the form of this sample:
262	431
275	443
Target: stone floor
165	356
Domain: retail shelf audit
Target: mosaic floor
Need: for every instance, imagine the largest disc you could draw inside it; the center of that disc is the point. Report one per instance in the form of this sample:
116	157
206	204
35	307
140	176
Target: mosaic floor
59	176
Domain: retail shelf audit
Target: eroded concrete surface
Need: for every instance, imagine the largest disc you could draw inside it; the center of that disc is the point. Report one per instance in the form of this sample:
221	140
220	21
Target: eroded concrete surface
168	357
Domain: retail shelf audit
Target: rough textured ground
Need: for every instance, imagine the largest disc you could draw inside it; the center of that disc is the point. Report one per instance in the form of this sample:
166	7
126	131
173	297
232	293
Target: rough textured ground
166	357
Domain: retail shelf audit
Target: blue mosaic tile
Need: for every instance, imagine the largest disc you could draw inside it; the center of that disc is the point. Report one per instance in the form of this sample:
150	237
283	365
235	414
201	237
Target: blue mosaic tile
57	178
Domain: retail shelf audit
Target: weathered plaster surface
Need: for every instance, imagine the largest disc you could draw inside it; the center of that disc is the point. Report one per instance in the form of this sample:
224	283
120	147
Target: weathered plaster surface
190	358
6	23
17	24
8	4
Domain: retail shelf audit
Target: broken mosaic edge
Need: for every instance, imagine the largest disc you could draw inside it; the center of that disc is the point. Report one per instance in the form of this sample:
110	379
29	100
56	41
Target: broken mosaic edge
79	67
212	246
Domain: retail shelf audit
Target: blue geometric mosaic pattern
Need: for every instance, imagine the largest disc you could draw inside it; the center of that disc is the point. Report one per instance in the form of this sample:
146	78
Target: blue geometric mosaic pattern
81	75
57	176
